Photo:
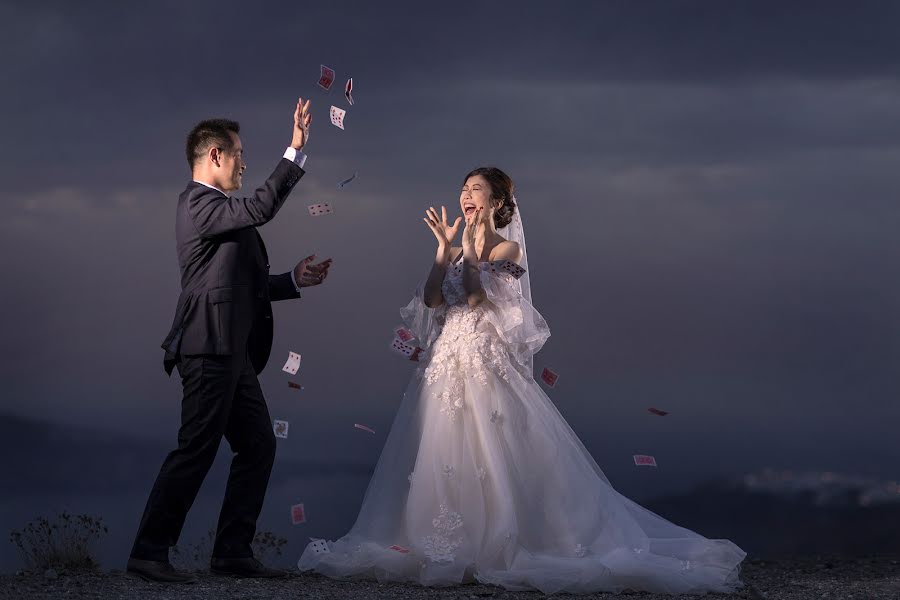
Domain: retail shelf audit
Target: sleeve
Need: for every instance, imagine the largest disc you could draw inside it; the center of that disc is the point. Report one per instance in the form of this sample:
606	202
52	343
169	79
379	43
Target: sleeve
282	287
519	325
214	215
425	323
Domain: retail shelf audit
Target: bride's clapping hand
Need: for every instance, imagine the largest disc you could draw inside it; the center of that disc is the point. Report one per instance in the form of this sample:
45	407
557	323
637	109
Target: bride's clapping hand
473	224
442	230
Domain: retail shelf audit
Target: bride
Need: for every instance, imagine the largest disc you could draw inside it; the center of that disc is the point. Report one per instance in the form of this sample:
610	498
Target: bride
481	478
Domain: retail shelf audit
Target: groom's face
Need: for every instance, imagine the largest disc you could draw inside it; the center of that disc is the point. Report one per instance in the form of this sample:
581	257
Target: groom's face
232	164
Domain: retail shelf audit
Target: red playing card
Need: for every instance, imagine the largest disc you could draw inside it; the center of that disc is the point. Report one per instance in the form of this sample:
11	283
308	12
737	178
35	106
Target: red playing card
295	386
399	549
348	91
415	354
298	515
644	460
549	377
404	334
327	77
656	411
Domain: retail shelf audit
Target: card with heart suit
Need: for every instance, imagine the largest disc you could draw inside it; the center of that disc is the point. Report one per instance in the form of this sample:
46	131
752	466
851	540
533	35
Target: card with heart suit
317	210
644	460
292	364
337	116
298	515
399	549
326	78
549	377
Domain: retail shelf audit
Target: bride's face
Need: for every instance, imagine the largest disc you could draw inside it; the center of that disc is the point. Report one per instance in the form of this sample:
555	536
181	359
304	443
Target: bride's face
476	193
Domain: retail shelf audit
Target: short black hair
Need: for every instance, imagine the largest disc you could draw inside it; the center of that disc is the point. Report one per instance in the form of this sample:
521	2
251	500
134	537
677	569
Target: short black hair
211	133
502	188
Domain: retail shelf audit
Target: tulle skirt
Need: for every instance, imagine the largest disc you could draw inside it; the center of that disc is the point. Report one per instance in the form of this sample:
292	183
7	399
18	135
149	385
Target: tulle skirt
482	479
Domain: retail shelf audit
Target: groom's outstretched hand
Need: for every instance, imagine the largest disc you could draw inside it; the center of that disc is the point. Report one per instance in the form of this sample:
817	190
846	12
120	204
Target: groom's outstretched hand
307	274
302	119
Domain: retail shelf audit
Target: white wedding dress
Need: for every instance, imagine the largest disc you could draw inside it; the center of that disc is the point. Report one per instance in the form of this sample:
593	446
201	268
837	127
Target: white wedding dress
482	479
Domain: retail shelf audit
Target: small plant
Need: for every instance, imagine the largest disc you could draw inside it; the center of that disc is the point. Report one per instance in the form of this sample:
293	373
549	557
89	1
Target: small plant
64	543
266	546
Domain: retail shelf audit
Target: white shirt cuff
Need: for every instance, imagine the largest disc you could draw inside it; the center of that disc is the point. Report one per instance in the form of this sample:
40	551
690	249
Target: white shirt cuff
295	156
296	287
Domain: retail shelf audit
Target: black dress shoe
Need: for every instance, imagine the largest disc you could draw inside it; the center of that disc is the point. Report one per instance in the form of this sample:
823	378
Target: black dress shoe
157	570
243	567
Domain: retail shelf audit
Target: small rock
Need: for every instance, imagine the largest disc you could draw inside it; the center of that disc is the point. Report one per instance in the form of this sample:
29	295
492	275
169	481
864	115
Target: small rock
51	574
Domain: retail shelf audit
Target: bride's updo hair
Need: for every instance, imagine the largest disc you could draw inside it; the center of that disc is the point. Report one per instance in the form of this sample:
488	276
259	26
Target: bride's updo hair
501	188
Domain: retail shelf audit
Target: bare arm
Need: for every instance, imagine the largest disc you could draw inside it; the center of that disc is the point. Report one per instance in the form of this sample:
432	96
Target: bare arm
444	232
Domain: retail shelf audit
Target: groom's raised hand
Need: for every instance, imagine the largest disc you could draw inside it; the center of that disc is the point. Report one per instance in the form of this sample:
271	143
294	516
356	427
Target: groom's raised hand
307	274
302	119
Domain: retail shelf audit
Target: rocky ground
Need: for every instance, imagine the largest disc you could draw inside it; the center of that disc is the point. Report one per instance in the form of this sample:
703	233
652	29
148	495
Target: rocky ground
794	579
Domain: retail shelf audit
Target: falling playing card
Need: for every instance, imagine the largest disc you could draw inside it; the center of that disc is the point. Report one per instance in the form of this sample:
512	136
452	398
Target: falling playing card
281	429
643	459
348	180
317	210
327	77
348	88
295	386
656	411
364	427
507	266
399	549
292	364
319	546
402	348
337	116
415	354
298	515
549	377
404	334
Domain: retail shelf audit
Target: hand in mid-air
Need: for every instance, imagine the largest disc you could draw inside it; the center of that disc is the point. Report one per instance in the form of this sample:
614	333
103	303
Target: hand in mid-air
307	274
302	119
474	223
443	231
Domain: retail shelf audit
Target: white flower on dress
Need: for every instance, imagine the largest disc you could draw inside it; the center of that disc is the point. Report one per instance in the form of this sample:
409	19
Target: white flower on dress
496	417
448	470
685	566
637	550
441	546
580	551
409	479
480	473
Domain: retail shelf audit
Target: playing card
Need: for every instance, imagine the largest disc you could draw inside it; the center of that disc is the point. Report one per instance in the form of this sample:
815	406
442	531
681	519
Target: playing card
402	348
399	549
317	210
327	77
292	364
549	377
415	354
348	180
298	515
348	88
295	386
507	266
643	459
404	334
364	427
319	546
281	429
656	411
337	116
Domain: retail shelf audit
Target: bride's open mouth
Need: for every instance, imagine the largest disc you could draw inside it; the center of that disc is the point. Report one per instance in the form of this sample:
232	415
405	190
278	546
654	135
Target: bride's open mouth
468	208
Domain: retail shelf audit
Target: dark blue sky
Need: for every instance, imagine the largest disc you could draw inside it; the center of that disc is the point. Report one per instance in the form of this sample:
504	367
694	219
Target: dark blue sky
709	191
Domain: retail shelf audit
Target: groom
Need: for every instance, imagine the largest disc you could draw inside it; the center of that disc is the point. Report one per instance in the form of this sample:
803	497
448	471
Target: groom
220	341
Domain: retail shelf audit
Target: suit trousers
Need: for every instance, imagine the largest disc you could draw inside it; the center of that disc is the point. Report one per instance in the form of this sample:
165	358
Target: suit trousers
221	397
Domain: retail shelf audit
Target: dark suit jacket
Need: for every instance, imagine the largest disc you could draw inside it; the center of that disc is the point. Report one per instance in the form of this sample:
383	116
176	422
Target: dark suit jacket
226	290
